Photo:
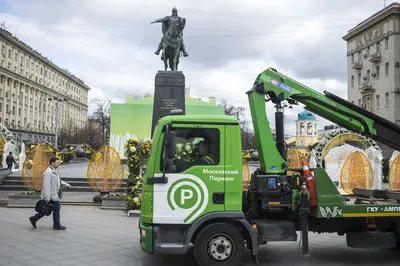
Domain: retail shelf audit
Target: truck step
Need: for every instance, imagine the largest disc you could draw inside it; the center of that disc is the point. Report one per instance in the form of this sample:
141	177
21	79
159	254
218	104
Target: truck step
275	230
371	240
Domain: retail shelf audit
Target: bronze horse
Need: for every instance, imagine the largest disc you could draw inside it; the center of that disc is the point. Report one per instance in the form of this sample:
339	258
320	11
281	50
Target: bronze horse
172	45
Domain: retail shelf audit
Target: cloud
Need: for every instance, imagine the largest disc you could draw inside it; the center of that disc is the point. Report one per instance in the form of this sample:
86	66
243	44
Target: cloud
110	44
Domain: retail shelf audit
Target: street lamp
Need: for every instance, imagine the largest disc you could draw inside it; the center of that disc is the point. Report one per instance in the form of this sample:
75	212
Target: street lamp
57	100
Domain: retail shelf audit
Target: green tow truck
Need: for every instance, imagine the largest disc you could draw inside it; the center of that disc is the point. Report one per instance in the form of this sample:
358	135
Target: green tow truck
192	189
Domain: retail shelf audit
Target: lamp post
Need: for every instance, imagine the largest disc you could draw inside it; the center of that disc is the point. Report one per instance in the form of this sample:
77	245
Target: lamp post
57	100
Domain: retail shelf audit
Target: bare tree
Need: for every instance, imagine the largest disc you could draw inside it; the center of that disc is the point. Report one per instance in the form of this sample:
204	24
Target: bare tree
101	115
248	139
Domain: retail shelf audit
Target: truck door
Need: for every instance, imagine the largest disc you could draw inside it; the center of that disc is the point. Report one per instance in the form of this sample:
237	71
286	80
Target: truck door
196	185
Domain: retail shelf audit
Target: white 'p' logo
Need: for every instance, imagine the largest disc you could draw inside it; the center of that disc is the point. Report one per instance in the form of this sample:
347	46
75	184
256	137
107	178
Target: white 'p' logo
186	194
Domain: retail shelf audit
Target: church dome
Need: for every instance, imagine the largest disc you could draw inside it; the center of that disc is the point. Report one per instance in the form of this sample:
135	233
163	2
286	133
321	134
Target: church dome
306	115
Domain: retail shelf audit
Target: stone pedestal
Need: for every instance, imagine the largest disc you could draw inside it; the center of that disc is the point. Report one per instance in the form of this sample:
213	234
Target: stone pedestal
169	94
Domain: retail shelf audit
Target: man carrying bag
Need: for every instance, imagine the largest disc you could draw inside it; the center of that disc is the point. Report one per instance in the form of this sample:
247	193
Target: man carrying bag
50	197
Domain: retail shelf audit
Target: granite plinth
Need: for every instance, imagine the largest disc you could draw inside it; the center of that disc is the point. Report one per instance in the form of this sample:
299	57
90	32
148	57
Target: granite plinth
169	94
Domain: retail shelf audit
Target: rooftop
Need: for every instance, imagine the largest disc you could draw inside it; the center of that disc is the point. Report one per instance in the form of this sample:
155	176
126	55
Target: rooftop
393	8
306	115
8	35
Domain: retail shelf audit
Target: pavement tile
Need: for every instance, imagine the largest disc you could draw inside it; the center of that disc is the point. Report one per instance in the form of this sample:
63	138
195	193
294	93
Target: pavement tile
105	237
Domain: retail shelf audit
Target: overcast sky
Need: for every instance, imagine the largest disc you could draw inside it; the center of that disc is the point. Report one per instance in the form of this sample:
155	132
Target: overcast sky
110	44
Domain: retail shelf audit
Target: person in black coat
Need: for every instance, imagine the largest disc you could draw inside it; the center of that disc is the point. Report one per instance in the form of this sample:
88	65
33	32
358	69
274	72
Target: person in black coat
10	160
385	171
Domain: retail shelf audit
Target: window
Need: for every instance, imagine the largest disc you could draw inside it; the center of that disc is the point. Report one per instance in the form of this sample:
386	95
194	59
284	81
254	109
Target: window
352	58
301	128
368	51
387	43
359	79
387	69
352	81
378	47
309	129
194	147
377	101
368	103
368	75
387	100
377	72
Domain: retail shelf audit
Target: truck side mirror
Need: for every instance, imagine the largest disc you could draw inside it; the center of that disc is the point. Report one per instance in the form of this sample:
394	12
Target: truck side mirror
170	147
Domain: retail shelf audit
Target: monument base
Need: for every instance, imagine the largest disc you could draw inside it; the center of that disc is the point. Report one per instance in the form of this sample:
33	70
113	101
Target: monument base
169	94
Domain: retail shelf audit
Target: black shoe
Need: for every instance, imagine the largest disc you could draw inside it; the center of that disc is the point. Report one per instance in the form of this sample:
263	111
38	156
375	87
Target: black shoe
33	223
59	227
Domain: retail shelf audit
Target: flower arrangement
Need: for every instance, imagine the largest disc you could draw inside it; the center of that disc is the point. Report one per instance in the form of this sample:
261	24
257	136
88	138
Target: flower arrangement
137	152
183	151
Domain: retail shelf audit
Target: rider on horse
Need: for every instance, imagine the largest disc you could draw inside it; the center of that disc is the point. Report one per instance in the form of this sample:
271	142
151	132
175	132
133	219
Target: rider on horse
166	23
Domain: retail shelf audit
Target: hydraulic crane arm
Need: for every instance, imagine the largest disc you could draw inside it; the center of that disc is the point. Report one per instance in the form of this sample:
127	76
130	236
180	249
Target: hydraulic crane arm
275	87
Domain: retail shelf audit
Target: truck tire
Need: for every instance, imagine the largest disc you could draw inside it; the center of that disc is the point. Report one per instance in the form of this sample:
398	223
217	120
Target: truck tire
219	244
375	240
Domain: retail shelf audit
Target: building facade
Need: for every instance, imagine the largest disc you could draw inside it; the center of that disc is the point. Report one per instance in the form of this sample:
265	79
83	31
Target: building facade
373	63
306	129
373	52
33	91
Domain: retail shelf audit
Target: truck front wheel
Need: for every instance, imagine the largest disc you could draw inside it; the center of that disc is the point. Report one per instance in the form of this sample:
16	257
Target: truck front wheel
219	244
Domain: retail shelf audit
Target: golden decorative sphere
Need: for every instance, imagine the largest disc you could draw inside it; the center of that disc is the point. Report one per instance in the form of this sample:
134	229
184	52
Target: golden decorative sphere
105	172
34	166
394	174
294	158
356	172
245	174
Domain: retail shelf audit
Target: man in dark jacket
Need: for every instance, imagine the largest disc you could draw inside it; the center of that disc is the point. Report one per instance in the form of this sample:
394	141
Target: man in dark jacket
385	172
10	160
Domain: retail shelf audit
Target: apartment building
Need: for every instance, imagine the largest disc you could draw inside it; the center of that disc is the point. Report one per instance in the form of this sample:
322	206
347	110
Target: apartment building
33	90
373	63
373	52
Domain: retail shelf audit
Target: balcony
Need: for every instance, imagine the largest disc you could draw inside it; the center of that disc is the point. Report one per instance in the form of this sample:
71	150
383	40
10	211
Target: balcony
357	65
366	86
375	57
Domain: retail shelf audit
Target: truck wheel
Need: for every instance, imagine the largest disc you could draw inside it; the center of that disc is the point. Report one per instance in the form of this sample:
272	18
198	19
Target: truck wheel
219	244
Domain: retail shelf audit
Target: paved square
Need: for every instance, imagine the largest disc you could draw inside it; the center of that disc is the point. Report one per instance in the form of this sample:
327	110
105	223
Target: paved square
106	237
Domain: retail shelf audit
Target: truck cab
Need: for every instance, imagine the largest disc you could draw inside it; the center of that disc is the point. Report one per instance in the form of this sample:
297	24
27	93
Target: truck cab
192	189
194	175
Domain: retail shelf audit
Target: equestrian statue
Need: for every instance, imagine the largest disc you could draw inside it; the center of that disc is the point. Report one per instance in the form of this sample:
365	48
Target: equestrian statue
171	42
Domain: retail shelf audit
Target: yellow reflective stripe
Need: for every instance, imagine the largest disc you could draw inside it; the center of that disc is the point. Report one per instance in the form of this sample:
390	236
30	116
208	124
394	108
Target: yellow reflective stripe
369	214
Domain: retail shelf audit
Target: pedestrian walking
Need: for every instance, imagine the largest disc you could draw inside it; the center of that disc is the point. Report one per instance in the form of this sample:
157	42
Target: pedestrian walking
385	171
51	193
10	160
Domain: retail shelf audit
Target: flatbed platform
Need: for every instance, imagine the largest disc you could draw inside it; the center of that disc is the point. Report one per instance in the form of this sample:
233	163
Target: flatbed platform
355	200
363	203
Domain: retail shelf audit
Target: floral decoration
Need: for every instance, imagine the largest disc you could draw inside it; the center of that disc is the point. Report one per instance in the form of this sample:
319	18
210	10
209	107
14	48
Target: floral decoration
137	153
